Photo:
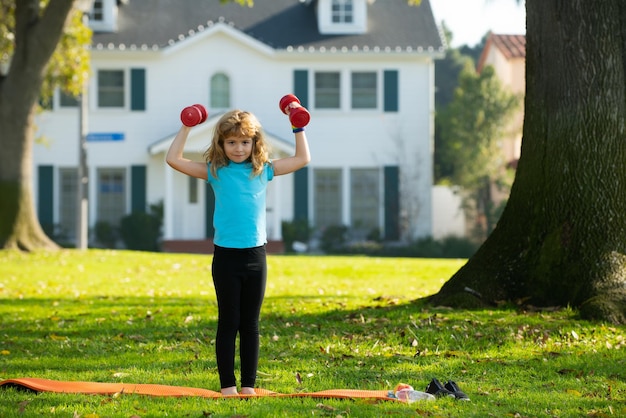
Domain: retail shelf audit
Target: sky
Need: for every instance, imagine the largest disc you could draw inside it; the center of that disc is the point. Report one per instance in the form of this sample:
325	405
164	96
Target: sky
469	20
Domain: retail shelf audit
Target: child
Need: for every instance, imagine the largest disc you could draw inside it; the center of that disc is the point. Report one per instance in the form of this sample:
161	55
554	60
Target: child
238	168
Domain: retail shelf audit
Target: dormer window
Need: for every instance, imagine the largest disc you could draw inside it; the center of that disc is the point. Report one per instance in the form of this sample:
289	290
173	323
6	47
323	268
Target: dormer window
342	11
103	16
341	17
97	12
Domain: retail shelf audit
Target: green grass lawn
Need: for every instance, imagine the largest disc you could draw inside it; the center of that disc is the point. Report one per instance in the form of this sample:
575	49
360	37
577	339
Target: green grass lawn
335	322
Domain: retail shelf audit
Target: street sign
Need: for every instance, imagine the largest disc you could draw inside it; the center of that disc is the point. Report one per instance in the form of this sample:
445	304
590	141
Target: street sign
105	136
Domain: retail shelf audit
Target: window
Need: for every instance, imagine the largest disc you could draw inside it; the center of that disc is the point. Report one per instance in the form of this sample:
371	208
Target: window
342	11
110	88
97	12
327	88
364	88
68	201
327	197
365	199
67	100
220	91
111	205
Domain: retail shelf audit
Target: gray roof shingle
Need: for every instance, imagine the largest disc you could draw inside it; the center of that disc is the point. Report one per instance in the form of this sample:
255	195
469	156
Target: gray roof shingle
280	24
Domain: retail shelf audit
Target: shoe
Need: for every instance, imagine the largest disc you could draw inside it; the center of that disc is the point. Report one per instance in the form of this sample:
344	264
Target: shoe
458	393
436	388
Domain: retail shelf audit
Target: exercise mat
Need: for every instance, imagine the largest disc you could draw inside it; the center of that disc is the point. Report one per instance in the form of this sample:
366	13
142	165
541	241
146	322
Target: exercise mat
57	386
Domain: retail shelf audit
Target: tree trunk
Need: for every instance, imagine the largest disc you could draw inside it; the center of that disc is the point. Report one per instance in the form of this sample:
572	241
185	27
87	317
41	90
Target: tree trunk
36	37
561	239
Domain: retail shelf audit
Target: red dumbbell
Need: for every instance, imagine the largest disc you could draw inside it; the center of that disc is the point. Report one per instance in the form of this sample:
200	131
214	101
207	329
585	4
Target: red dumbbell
194	115
298	115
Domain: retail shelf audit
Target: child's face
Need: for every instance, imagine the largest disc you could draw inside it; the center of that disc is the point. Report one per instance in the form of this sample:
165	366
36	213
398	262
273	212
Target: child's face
238	149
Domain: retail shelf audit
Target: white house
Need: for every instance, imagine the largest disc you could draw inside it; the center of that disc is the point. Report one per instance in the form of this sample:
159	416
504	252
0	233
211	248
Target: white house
363	68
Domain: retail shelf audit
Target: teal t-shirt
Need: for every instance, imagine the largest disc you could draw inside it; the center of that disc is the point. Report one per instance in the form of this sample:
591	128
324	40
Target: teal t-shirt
240	199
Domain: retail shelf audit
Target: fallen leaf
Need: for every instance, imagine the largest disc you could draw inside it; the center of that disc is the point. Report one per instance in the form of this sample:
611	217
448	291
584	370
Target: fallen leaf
57	337
22	406
325	407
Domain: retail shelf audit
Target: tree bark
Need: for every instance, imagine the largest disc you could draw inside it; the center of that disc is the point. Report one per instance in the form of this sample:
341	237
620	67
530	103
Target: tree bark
561	238
36	37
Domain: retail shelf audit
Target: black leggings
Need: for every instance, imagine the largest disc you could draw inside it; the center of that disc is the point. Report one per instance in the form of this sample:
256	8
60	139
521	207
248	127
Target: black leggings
239	276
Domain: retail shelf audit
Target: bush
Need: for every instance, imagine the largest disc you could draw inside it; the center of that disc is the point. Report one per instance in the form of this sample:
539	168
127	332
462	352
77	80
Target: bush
141	231
333	238
457	247
106	234
295	231
334	242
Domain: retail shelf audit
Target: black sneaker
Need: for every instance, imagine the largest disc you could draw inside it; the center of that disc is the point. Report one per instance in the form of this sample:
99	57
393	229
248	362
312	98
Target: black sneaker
458	393
436	388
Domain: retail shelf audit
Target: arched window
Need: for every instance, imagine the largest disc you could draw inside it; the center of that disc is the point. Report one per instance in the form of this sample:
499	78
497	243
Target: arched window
220	91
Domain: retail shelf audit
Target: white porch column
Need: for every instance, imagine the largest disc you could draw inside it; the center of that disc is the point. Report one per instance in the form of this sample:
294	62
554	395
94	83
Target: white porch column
168	205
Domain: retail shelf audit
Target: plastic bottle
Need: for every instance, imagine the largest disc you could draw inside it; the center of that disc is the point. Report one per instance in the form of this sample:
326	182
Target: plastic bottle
412	395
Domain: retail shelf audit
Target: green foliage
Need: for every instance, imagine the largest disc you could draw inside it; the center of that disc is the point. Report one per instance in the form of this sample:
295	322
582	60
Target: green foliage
470	130
7	36
141	230
69	65
448	247
336	322
473	123
295	231
333	238
106	234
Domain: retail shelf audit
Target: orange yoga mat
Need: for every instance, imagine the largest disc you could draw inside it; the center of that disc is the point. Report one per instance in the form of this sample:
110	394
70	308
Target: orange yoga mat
46	385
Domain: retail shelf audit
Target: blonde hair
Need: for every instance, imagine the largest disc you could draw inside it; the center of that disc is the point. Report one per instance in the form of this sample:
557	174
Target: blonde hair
238	123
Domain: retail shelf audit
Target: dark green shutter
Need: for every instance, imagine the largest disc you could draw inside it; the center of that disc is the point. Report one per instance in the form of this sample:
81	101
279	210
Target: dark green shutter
301	86
301	195
45	197
392	203
391	90
209	207
138	188
138	89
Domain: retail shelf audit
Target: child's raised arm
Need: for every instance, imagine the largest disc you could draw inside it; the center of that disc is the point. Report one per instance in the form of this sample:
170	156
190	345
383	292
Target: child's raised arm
301	158
299	118
175	159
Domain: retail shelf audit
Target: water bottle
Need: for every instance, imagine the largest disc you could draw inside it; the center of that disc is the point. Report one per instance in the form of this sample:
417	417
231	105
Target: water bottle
412	395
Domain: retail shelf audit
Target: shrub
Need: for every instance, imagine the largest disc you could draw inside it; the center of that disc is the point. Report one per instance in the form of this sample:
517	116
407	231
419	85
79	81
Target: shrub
141	231
106	234
295	231
333	238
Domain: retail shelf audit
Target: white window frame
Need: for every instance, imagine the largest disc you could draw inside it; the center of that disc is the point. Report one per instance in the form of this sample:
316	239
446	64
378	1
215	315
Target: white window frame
342	12
220	91
345	90
125	89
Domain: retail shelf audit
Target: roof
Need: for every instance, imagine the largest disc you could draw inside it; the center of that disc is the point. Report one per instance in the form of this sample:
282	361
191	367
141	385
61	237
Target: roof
510	46
279	24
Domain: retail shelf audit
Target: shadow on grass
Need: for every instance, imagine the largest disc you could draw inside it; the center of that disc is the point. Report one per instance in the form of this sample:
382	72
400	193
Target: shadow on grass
169	340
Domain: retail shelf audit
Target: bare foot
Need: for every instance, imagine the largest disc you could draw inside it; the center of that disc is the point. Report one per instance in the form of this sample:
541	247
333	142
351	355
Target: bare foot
229	391
248	391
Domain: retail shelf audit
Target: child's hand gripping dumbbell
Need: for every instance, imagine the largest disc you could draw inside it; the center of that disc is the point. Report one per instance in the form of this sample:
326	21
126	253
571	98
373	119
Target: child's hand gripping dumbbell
298	115
194	115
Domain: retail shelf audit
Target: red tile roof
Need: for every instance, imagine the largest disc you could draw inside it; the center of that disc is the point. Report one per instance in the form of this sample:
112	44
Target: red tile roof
511	46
